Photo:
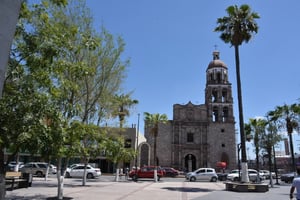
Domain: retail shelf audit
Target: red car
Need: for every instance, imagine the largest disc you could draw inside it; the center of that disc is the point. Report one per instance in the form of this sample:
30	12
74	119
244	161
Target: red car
146	172
170	172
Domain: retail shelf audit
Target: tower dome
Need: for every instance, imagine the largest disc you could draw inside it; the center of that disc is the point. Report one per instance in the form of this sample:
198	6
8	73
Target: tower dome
216	62
216	71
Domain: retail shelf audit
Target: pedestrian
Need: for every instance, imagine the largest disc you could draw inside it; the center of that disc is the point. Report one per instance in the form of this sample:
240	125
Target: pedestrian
126	173
296	184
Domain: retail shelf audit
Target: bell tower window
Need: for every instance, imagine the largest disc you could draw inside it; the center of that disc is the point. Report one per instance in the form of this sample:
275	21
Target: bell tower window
224	95
219	77
225	114
214	95
215	114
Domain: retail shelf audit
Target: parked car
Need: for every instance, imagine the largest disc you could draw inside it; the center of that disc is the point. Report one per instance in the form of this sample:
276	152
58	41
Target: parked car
287	177
170	172
252	173
37	168
12	165
267	173
78	170
146	172
222	176
202	174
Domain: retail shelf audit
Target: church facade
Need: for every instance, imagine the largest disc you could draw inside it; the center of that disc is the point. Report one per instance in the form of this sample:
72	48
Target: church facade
198	135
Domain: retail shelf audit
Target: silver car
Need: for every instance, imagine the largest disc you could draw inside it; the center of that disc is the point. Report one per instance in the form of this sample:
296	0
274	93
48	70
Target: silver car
202	174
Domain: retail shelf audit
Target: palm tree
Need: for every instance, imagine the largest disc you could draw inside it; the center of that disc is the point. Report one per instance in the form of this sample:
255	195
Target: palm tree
257	127
236	28
152	122
287	117
269	139
123	103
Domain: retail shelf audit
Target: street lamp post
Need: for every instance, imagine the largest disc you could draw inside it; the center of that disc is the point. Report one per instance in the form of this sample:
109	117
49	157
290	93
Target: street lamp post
137	145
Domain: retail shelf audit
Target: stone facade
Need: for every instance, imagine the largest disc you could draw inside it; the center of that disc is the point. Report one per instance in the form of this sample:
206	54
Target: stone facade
199	135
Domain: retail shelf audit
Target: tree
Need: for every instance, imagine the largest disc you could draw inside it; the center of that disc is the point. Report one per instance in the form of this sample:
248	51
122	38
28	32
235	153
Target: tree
152	122
122	104
236	28
116	151
257	128
89	142
269	139
287	118
59	62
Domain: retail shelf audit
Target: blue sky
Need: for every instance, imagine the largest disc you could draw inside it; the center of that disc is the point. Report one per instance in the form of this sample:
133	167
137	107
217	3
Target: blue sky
170	44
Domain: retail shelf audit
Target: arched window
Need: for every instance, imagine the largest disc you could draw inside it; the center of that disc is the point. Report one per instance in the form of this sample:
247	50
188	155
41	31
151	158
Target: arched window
225	114
214	95
215	114
224	95
219	77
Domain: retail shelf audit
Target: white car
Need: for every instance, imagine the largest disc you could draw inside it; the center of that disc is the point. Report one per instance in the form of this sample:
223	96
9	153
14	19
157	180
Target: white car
38	168
78	170
267	174
252	173
202	174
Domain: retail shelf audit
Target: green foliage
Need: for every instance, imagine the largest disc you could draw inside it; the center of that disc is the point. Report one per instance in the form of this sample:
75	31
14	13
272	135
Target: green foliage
238	26
152	122
115	150
121	105
287	117
60	69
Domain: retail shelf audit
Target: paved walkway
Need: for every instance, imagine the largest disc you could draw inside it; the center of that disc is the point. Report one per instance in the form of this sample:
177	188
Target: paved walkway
142	190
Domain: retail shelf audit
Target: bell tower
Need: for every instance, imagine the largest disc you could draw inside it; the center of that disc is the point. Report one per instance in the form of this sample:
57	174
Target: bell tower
219	104
218	94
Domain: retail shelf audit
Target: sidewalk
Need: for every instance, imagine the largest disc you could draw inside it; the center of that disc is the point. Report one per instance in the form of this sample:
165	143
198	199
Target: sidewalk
142	190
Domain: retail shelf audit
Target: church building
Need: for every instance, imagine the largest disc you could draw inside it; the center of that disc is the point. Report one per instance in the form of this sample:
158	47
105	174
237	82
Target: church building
199	135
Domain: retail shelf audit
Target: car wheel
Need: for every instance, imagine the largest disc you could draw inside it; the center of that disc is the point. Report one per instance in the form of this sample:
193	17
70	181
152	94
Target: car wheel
192	179
89	176
213	179
39	173
68	175
236	179
135	177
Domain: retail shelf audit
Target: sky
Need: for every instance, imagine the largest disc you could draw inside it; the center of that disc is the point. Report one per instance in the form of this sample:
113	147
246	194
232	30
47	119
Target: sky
170	44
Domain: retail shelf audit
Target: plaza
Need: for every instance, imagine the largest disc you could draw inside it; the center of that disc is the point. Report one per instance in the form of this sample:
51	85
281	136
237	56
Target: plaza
106	188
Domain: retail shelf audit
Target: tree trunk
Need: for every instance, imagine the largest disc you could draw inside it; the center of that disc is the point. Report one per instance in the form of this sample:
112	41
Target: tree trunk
60	180
270	165
84	174
2	175
9	17
154	150
245	177
292	153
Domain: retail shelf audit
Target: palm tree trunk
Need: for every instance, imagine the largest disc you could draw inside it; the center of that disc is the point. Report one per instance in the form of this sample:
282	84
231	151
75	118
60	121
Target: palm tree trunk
292	152
245	177
269	150
154	149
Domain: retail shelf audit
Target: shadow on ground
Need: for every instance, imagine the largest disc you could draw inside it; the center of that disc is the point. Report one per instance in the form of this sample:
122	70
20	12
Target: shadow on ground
187	189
